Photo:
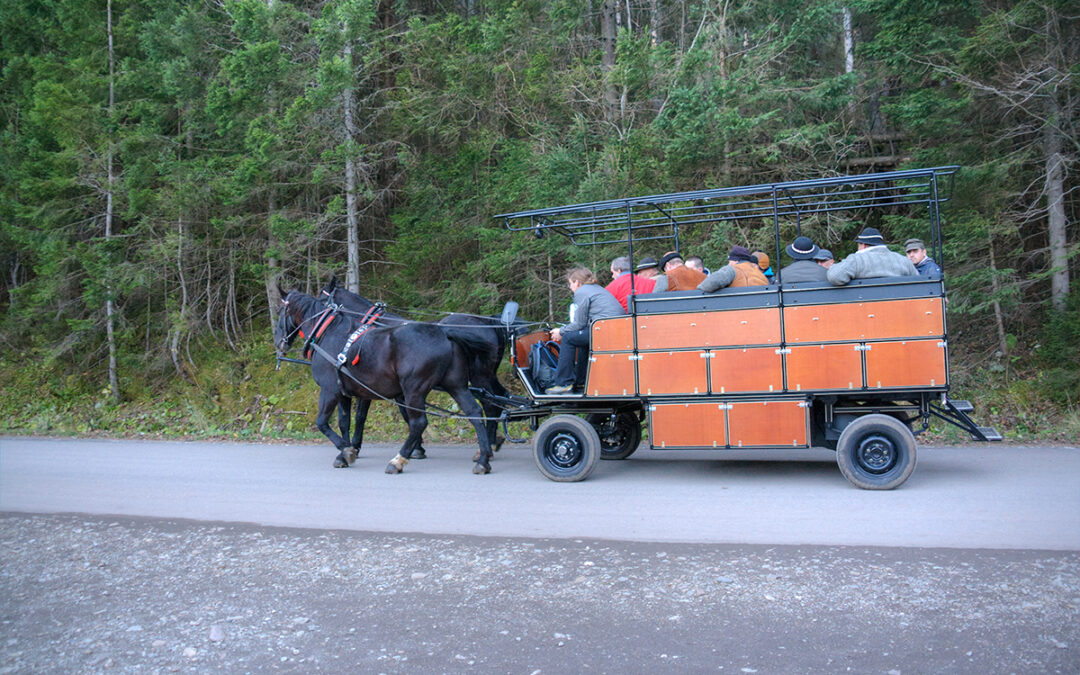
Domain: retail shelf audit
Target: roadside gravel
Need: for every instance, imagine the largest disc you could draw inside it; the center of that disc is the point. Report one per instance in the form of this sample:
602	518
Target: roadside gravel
90	594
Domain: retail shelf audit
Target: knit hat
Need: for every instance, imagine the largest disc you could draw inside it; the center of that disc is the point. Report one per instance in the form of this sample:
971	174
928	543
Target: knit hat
762	260
668	257
802	248
870	236
741	254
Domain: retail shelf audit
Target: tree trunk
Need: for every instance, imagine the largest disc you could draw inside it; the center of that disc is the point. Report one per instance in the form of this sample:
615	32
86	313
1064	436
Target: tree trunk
352	230
114	385
1057	222
999	319
608	30
273	272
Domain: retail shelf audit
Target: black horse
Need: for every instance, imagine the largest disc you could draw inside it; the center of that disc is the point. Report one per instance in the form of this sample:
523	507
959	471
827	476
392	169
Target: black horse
398	362
489	332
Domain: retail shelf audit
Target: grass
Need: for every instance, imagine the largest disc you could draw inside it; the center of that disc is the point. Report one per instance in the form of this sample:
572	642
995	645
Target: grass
240	395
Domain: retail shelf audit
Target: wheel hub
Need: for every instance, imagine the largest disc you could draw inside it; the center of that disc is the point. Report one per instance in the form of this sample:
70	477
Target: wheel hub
876	454
564	450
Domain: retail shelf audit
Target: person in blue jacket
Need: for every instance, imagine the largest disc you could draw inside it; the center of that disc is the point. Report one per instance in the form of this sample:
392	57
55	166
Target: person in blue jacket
916	253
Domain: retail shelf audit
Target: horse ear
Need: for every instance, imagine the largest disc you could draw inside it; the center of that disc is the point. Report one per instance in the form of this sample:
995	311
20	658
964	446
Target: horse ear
281	291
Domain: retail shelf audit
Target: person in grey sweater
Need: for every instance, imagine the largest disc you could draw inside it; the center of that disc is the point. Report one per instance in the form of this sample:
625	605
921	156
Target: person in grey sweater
873	259
802	251
591	302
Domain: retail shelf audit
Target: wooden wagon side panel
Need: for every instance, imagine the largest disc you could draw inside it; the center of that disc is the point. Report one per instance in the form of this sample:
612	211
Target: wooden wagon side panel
815	367
906	363
688	425
768	423
877	320
673	373
612	335
611	374
746	370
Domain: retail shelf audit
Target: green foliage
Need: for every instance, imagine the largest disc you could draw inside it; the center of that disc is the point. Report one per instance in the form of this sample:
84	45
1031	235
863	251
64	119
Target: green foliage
229	145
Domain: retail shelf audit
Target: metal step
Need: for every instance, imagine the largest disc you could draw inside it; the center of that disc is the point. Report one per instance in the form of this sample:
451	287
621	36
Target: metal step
962	406
989	433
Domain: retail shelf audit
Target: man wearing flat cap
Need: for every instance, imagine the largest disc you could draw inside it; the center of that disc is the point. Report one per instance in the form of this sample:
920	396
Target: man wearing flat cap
873	259
648	268
802	251
742	270
916	253
824	258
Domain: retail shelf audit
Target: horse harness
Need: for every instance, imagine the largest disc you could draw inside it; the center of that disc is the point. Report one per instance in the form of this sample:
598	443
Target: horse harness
311	345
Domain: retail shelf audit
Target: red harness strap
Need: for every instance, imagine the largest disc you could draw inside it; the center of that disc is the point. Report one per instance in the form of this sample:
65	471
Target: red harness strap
369	319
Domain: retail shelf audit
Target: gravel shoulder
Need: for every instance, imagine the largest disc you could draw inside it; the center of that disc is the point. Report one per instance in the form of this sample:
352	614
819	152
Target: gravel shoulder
100	594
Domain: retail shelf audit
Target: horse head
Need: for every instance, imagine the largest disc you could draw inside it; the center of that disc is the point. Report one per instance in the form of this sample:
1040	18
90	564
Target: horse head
290	317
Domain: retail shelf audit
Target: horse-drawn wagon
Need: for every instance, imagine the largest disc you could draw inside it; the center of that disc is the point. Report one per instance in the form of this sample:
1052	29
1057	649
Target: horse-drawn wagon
860	368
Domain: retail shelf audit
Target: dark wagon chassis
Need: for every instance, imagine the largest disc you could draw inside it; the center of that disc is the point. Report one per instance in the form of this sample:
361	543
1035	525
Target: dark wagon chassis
860	369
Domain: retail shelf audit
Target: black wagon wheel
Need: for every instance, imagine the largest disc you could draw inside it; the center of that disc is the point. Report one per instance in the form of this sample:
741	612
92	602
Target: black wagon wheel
876	452
566	448
620	434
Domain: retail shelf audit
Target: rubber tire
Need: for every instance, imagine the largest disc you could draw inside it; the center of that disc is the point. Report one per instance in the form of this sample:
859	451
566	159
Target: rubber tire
876	452
627	427
566	448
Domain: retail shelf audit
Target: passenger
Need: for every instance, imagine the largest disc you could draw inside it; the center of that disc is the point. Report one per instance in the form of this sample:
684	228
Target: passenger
591	302
802	251
742	270
763	263
648	268
824	258
873	259
916	253
621	278
695	262
679	276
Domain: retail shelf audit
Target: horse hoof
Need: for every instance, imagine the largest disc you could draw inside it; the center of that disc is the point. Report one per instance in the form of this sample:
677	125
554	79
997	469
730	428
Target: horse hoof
479	469
391	469
351	455
340	463
499	440
476	457
419	453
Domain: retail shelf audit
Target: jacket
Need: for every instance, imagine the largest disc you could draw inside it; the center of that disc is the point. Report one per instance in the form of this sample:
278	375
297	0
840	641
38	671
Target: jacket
592	302
620	287
734	276
803	270
873	261
684	278
927	267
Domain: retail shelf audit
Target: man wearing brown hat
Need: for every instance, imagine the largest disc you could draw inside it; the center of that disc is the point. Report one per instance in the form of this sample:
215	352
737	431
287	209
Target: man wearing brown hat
679	276
742	270
916	253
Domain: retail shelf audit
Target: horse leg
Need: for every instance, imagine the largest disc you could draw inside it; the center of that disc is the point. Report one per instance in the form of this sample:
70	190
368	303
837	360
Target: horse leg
419	452
362	407
472	409
344	416
417	419
328	400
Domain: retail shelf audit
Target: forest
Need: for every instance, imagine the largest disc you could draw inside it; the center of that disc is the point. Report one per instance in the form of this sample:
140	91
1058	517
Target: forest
166	164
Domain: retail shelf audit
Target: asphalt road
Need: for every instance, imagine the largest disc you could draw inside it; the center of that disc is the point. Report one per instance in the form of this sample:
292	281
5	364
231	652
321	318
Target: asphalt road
148	557
977	496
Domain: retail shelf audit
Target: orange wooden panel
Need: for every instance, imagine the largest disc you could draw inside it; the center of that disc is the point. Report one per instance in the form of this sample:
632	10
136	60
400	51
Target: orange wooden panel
611	375
670	331
824	367
912	363
882	319
767	423
672	373
737	370
610	335
693	425
741	327
524	343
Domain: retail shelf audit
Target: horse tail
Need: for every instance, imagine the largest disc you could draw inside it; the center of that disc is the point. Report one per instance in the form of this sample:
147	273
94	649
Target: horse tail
469	339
